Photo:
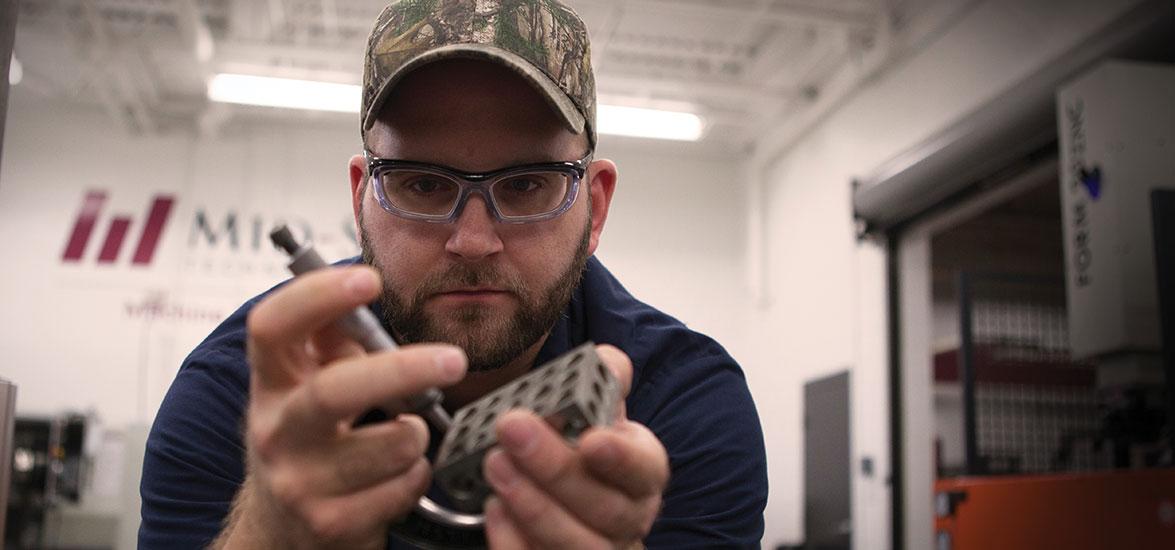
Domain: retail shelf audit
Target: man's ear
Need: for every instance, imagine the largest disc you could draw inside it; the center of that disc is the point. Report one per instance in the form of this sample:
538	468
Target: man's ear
603	175
357	170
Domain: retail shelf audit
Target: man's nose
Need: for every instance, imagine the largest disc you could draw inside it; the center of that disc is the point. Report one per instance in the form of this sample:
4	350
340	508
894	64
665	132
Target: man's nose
475	234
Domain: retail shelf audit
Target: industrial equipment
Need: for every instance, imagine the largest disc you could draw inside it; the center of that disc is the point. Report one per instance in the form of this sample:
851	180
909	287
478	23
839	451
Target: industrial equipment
1070	443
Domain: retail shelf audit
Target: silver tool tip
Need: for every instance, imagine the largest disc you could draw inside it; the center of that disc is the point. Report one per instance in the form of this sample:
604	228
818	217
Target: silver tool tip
283	239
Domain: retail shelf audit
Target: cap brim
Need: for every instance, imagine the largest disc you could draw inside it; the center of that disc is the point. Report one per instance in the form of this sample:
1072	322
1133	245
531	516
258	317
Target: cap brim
556	98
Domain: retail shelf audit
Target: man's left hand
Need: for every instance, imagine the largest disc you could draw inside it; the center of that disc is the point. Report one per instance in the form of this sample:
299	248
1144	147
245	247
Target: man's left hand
604	492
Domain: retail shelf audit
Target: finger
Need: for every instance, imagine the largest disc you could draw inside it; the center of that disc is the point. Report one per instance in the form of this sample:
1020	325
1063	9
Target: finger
627	456
351	387
330	344
620	365
550	464
280	324
501	534
335	518
540	520
375	453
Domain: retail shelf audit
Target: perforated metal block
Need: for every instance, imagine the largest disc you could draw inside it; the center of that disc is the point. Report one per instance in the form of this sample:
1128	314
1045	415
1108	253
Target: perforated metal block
572	392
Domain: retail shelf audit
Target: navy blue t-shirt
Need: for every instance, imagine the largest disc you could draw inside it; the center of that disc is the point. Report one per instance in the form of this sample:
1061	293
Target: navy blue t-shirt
685	388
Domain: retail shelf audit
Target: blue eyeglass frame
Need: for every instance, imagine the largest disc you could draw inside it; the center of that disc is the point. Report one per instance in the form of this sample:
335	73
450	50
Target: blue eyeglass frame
476	182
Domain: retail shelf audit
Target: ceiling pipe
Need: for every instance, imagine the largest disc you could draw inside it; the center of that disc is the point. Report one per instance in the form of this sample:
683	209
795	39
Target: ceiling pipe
109	74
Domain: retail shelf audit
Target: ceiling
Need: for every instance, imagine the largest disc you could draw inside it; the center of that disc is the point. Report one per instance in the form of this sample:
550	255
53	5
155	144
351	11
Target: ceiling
749	67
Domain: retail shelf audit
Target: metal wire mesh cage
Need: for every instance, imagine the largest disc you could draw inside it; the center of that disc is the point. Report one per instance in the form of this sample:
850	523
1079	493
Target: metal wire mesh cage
1033	409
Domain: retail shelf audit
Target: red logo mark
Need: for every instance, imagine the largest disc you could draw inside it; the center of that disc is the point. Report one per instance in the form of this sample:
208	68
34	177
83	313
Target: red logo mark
87	218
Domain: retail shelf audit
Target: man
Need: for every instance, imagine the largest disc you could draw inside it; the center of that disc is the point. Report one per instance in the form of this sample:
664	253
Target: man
479	207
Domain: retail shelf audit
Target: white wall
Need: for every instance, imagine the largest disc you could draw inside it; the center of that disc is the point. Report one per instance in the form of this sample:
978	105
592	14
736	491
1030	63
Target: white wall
83	335
76	335
675	235
80	336
825	291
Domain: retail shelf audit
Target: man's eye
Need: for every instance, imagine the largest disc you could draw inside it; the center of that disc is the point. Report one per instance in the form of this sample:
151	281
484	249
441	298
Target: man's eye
522	185
424	185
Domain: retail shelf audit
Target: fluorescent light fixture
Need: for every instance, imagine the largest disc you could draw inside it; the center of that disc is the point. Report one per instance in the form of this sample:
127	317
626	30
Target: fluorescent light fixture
15	72
284	92
326	96
648	123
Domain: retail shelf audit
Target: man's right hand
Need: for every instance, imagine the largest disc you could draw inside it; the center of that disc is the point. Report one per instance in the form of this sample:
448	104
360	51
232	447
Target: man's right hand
313	479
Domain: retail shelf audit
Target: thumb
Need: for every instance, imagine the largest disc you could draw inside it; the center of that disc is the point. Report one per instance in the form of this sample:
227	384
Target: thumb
621	366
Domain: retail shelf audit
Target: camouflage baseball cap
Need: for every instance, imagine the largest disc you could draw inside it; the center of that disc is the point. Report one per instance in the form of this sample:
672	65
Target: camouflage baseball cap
543	41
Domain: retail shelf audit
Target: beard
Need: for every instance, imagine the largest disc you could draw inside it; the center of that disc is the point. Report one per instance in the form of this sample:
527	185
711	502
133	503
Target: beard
490	338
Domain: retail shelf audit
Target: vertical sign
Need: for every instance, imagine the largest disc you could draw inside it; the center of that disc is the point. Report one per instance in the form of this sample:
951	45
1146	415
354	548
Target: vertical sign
1116	124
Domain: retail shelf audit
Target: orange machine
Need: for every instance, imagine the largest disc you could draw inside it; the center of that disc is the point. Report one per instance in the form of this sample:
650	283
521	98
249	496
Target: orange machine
1124	510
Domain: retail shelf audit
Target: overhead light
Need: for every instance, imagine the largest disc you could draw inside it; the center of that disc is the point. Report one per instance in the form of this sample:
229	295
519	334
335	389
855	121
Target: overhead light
649	123
327	96
15	72
284	92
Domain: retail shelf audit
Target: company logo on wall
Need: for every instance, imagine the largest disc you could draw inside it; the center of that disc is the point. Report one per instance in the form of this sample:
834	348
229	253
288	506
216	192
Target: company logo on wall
215	241
87	218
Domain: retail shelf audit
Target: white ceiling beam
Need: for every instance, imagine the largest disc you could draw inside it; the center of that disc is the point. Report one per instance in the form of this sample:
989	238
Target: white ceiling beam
194	30
602	39
887	47
244	21
754	17
341	64
330	18
689	87
110	76
277	17
647	48
266	53
139	74
778	12
131	6
864	18
775	59
779	132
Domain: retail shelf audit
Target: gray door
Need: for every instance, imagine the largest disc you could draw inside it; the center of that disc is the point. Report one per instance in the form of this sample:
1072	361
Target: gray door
827	519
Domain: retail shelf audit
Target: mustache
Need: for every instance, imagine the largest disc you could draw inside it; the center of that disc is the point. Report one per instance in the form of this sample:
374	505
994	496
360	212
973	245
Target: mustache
453	277
459	276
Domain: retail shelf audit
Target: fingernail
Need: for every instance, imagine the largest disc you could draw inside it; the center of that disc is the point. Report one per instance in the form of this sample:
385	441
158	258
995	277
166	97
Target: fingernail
451	362
361	283
499	472
517	436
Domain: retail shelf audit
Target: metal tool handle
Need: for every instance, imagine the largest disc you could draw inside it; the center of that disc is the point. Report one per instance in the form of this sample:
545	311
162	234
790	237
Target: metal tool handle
362	325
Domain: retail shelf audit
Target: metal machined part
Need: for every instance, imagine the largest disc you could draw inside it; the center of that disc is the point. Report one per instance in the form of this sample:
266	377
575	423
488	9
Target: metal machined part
572	393
362	325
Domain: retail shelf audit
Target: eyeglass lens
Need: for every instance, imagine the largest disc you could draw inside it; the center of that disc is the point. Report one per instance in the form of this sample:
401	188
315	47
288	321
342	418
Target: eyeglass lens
514	195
